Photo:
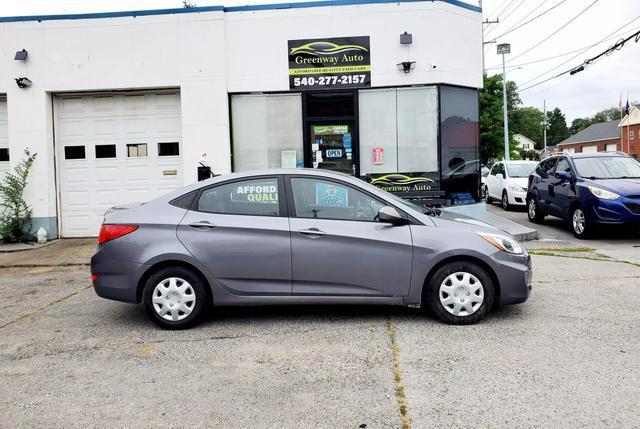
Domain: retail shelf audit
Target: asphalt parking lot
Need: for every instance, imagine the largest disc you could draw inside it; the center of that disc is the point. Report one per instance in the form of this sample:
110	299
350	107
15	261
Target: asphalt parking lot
568	357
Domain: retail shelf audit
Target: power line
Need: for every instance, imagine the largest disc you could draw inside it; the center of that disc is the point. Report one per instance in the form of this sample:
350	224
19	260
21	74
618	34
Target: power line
499	11
608	37
498	7
538	6
616	47
556	31
583	49
515	27
505	17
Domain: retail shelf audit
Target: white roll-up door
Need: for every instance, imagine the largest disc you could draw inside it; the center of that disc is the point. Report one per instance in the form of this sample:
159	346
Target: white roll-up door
589	149
112	149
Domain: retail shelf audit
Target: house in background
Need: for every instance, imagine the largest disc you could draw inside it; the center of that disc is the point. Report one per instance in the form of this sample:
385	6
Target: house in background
524	143
601	137
630	132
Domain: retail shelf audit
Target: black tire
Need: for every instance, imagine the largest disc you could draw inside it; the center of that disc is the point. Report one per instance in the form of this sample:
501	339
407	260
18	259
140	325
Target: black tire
432	293
198	288
504	202
581	229
533	213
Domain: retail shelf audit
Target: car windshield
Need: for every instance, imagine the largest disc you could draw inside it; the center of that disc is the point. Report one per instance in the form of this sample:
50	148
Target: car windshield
521	169
609	167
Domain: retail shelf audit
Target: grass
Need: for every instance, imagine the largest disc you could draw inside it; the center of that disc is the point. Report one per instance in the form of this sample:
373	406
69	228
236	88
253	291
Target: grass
399	387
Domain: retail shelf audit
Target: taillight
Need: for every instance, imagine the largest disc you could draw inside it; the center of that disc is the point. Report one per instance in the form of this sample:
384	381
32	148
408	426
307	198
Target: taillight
94	277
111	232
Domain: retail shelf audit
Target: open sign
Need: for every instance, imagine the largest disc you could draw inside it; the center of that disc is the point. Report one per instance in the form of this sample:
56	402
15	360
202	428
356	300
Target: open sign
334	153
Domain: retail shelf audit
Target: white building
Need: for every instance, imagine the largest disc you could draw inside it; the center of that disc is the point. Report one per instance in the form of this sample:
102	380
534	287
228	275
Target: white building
122	105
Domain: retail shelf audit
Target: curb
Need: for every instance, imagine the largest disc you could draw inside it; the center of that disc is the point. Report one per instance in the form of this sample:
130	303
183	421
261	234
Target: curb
26	249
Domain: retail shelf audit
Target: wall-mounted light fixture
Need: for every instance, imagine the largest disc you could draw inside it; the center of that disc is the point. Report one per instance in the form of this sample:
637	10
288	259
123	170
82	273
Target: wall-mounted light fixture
21	55
406	38
23	82
406	66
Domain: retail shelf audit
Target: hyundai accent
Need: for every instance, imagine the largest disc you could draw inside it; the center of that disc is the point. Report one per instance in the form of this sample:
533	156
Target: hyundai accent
302	237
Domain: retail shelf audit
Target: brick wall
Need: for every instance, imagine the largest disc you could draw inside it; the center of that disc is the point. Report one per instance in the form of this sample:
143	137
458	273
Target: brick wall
633	132
602	144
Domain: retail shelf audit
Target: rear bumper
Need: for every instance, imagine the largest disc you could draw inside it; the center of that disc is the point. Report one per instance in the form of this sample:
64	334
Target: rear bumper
117	280
514	276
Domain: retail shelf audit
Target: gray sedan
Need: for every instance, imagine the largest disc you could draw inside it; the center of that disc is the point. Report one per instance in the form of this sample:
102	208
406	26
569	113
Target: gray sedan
302	237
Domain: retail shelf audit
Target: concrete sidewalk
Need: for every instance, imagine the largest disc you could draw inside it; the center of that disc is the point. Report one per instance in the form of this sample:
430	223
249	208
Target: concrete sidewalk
68	252
520	232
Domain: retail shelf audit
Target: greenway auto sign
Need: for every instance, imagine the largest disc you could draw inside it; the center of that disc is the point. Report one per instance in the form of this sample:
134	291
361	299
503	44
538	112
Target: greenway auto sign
340	62
408	185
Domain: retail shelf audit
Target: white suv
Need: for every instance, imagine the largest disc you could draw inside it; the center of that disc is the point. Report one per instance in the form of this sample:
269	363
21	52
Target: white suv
507	182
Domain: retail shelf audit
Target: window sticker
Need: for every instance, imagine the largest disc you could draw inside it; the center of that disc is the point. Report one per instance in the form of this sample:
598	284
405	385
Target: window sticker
259	193
330	195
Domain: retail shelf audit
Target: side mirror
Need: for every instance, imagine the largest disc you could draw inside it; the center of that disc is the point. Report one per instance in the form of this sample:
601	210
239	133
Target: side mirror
500	176
563	175
389	214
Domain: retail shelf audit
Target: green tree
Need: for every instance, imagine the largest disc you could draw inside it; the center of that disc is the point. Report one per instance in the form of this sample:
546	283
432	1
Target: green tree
491	117
15	213
528	122
557	124
579	124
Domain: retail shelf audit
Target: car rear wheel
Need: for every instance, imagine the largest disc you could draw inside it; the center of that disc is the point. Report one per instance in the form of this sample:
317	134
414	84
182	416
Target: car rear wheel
581	227
533	211
175	298
460	293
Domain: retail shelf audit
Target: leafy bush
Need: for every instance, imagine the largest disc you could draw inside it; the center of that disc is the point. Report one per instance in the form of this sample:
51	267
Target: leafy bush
15	214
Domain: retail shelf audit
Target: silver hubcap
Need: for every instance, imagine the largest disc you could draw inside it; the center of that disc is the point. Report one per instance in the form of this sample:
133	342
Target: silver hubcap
578	221
173	299
532	209
461	294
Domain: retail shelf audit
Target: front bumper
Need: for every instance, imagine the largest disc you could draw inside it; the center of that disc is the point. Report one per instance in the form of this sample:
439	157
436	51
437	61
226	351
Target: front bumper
621	211
514	276
518	198
116	279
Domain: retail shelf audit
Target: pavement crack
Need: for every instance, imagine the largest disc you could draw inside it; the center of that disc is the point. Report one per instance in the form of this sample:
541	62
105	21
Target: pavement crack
397	375
44	307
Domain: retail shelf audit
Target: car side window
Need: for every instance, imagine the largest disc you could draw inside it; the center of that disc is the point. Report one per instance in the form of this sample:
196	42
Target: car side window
549	166
494	170
563	165
254	197
325	199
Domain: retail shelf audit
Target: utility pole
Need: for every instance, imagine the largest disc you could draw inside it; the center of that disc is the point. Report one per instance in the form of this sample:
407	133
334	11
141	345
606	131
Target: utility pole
505	48
544	125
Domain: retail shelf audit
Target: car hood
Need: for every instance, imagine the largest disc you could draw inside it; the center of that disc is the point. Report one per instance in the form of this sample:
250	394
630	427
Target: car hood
619	186
449	219
523	182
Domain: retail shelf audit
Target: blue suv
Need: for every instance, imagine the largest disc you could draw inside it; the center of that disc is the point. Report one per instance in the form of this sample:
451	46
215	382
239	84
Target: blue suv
586	189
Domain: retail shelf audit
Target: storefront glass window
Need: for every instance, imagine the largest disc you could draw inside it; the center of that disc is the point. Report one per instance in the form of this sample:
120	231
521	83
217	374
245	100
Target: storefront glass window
267	131
398	130
459	139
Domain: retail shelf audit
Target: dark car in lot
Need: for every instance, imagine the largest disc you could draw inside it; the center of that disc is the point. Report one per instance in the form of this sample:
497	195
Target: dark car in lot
302	237
586	189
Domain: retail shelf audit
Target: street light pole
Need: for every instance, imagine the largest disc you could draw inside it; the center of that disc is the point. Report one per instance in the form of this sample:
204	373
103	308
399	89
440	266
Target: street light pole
505	48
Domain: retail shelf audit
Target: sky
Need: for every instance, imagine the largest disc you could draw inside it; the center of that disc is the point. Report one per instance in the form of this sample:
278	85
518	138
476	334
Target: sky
598	87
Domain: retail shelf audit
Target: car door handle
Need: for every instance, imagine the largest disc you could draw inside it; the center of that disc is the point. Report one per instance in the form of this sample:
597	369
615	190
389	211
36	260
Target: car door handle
312	231
202	225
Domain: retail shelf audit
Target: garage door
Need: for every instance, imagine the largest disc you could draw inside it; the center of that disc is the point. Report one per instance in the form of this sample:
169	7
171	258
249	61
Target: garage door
4	138
114	149
589	149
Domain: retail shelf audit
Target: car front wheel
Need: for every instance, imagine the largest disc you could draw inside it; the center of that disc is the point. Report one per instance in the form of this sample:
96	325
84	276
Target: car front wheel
505	200
460	293
175	298
581	227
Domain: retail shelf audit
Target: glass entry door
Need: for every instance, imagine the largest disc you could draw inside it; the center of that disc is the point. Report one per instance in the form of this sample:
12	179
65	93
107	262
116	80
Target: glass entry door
332	145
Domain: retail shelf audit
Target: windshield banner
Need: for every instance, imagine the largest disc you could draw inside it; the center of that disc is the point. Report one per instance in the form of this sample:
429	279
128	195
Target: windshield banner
339	62
409	185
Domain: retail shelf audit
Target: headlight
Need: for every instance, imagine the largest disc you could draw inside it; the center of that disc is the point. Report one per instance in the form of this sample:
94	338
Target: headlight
515	187
601	193
502	242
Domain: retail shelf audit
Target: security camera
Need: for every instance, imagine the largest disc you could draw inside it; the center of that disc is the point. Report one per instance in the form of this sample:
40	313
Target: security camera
433	66
23	82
